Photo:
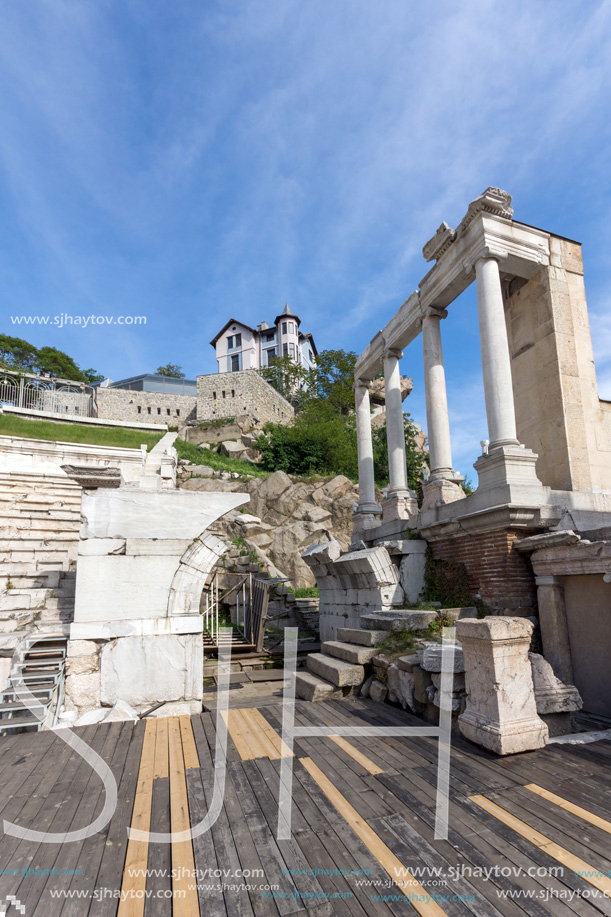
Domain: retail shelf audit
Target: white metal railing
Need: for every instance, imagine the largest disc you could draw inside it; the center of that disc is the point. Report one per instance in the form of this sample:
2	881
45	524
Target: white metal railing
211	609
46	394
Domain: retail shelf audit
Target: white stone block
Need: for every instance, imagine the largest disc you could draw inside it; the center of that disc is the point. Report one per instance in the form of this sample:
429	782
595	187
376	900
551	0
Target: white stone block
126	513
99	546
145	670
114	588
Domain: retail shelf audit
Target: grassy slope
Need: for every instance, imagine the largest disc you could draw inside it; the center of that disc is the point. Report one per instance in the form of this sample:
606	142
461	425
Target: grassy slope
12	425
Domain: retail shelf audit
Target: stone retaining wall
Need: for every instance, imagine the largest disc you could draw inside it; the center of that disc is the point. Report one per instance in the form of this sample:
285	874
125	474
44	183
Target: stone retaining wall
147	407
232	394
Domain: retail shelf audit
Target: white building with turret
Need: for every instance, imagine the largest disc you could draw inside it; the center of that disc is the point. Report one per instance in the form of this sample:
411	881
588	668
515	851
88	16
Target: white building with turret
238	346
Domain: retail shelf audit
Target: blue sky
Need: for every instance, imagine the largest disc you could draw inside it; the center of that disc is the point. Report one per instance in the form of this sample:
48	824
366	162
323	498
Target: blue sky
194	161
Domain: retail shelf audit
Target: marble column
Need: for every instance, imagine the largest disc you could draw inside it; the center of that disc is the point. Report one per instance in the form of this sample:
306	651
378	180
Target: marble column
554	627
395	427
437	422
367	498
496	363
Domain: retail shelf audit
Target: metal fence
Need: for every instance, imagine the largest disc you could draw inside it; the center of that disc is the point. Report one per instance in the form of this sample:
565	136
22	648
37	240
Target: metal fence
47	394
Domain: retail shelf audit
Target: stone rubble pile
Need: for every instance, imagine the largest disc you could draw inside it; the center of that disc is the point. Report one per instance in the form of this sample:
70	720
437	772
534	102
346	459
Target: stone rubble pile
284	518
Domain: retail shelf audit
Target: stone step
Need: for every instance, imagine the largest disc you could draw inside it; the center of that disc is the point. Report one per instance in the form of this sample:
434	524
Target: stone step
339	673
398	620
311	687
361	637
348	652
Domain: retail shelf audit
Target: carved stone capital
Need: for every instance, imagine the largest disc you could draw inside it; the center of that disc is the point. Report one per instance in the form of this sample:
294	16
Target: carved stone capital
393	352
432	312
440	242
485	253
494	201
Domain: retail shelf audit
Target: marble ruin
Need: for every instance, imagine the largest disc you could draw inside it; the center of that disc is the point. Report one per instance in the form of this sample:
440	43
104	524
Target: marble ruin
534	535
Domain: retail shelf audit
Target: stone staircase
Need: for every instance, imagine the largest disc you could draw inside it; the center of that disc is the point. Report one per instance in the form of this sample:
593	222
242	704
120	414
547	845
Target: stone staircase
339	668
39	532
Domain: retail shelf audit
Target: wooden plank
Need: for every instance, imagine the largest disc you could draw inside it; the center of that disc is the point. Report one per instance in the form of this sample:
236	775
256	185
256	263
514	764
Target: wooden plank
393	866
362	759
162	759
133	885
115	843
211	900
185	902
159	879
278	748
576	864
188	743
238	732
257	741
94	847
69	856
590	817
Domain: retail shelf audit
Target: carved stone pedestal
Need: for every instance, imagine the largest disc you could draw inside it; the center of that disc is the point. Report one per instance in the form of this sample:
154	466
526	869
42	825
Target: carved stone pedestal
395	508
438	493
501	711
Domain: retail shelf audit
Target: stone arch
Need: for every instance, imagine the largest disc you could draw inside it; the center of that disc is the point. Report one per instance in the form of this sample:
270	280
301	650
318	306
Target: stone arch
193	573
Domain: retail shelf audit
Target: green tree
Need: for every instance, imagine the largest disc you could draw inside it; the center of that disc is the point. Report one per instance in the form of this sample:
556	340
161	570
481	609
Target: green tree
288	378
319	440
16	353
333	378
91	376
52	360
171	370
416	459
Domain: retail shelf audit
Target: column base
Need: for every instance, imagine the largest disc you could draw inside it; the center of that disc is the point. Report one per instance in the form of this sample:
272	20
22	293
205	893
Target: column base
364	522
396	507
446	474
504	739
438	493
510	471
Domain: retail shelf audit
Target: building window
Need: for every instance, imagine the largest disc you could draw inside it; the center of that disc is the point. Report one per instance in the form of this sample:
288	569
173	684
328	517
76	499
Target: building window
292	350
234	340
271	353
269	337
233	393
178	412
284	328
168	411
159	410
148	410
291	328
230	342
214	396
238	340
224	395
285	349
235	363
139	409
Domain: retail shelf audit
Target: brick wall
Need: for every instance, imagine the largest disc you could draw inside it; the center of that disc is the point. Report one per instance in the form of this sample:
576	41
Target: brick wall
145	407
242	393
502	576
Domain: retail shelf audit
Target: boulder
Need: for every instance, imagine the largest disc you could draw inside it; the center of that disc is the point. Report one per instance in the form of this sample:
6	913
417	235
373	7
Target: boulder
337	486
378	692
288	544
292	498
233	448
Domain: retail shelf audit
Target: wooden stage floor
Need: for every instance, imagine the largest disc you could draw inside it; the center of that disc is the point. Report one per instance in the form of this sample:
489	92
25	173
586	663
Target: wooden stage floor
529	834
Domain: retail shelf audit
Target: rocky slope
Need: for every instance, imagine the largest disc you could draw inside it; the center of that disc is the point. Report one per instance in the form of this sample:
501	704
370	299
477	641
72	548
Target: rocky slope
285	516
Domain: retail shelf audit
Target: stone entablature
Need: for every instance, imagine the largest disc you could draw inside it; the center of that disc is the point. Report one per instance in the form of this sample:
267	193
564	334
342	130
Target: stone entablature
227	395
145	407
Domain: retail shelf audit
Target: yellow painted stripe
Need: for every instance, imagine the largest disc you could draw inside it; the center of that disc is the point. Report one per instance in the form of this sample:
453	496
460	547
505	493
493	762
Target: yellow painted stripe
401	876
276	748
136	858
161	749
362	759
237	731
255	740
185	901
570	807
189	748
568	859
